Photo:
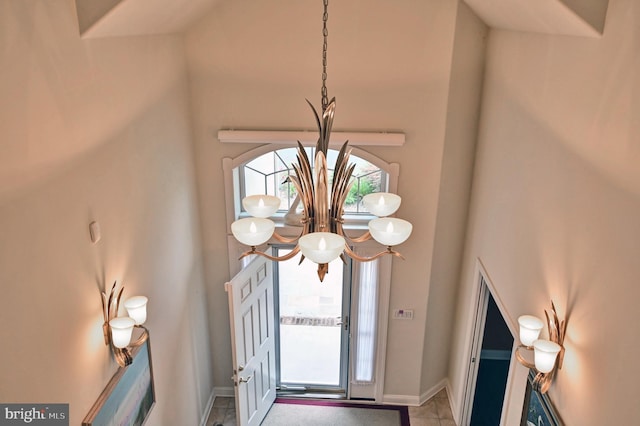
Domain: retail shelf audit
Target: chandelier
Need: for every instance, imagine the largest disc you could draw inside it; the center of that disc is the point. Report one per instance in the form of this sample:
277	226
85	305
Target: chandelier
322	238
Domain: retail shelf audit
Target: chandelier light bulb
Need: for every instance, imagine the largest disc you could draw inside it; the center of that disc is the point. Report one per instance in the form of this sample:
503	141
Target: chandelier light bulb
381	204
321	247
253	231
390	231
261	206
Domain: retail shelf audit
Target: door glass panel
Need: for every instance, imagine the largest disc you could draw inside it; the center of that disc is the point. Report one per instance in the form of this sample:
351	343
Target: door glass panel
310	323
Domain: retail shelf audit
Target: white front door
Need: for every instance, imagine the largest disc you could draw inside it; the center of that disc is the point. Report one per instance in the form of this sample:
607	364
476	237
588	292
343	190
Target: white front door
252	340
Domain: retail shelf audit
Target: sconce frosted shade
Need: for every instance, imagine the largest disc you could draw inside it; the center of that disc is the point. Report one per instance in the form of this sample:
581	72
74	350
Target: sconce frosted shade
545	353
261	205
121	329
136	307
381	204
390	231
253	231
321	247
530	328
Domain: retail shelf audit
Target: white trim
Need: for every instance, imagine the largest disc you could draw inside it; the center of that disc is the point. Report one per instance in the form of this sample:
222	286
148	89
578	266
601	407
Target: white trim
411	400
517	375
208	408
226	392
286	137
384	299
430	393
455	410
477	322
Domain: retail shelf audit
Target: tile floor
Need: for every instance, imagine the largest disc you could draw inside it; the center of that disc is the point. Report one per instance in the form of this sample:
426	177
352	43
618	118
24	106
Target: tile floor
434	412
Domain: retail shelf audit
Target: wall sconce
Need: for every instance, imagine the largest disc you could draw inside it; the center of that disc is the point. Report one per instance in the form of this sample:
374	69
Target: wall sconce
118	330
547	354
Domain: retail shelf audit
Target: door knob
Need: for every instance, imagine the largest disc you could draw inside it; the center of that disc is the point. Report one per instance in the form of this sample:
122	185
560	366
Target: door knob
245	379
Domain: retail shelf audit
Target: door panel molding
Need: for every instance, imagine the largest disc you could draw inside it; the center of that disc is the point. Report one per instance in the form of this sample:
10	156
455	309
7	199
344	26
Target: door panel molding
250	295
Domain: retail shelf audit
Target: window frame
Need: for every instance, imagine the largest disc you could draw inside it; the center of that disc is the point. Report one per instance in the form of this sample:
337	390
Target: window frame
233	179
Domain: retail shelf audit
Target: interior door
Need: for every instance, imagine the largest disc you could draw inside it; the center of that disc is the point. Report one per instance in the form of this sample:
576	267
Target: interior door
252	340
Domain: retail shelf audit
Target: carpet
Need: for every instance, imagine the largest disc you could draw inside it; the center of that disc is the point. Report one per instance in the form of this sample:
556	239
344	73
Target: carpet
303	412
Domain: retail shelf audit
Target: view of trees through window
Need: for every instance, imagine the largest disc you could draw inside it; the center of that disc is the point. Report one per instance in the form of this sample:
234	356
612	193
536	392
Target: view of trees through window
267	174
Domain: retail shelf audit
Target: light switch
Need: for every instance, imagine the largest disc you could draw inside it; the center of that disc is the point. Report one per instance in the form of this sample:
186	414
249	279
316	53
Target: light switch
406	314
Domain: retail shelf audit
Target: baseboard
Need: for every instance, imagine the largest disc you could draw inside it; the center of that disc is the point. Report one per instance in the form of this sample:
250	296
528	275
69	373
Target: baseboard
207	410
455	410
411	400
430	393
227	392
217	392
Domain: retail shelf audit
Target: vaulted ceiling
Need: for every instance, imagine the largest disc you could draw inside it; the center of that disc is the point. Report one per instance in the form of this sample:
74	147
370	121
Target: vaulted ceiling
136	17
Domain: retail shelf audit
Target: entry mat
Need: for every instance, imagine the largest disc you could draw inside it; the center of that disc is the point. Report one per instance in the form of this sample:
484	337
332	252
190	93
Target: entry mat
311	412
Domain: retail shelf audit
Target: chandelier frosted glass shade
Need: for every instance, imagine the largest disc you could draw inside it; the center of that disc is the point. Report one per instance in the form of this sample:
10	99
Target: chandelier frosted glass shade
136	307
261	206
321	247
545	353
253	231
381	204
121	329
390	231
530	328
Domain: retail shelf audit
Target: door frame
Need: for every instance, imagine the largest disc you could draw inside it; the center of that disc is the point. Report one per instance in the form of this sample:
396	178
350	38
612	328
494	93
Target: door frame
516	378
345	343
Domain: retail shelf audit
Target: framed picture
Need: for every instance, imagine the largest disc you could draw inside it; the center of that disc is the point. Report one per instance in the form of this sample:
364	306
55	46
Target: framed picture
538	409
129	395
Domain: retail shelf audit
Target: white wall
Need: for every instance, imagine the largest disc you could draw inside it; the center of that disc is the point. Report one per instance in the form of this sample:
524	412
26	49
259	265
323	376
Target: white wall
95	130
556	202
251	66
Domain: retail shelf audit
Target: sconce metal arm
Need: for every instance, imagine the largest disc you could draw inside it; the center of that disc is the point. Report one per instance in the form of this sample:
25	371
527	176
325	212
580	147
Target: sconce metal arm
521	359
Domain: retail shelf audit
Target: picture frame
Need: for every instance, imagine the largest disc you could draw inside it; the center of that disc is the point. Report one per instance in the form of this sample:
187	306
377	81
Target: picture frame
129	396
538	410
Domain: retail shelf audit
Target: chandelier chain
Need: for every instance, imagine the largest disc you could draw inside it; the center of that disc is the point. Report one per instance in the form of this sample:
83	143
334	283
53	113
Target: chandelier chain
325	33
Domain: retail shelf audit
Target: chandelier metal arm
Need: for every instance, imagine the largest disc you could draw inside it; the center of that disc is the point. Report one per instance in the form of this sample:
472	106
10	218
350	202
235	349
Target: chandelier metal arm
361	239
340	231
286	240
287	256
359	258
321	200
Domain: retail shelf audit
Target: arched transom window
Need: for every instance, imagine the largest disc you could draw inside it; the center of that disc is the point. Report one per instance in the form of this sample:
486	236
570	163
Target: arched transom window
267	174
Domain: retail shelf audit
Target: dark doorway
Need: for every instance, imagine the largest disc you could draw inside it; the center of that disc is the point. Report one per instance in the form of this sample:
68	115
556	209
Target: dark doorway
495	357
